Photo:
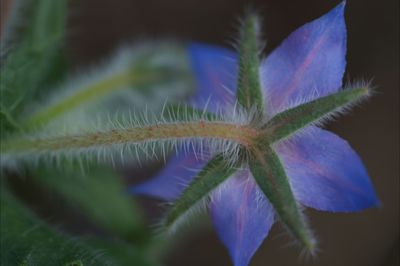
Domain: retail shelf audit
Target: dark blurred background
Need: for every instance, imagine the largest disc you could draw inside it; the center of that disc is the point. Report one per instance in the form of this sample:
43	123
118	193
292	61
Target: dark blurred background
370	238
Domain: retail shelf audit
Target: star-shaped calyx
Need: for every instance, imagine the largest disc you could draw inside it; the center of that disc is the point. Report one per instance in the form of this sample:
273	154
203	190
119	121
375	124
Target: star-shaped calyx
287	161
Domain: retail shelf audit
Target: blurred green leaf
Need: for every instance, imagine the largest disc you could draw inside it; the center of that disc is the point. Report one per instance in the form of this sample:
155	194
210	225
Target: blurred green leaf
125	254
133	78
25	240
32	56
101	195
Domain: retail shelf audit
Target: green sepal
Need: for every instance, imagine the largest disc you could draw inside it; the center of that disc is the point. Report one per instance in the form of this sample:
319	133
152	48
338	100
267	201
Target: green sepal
212	175
249	89
288	122
270	176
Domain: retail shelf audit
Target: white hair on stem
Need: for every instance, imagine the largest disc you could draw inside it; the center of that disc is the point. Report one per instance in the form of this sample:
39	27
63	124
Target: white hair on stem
137	136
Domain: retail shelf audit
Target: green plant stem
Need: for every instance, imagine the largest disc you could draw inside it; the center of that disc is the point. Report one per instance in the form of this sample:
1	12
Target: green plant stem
240	134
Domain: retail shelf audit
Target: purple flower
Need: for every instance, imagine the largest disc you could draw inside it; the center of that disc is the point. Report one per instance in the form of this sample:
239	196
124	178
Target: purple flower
324	172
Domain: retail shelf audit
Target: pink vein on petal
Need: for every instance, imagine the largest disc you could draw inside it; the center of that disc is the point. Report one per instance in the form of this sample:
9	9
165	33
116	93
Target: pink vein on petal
317	168
241	214
303	67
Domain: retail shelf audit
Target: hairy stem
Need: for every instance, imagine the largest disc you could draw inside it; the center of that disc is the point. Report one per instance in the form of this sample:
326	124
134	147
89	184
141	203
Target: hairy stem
241	134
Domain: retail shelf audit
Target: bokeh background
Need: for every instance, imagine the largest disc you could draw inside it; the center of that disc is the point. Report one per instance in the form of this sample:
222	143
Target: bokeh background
370	238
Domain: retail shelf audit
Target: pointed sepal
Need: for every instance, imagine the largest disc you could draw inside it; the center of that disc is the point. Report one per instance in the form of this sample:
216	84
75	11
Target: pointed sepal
249	89
209	178
290	121
270	176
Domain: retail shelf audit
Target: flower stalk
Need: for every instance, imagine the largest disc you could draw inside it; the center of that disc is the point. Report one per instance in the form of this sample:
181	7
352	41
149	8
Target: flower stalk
240	134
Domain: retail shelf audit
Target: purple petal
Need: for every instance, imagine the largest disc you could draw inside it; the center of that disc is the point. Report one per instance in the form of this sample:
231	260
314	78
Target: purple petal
215	69
173	178
326	174
241	215
310	63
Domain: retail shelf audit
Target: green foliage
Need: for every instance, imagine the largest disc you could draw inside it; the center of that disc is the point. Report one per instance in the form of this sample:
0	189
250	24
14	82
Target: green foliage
25	240
34	71
131	79
34	60
100	194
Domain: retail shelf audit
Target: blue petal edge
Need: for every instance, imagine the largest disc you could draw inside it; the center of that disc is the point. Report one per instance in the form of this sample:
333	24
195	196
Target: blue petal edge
169	183
215	70
326	173
241	215
310	63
